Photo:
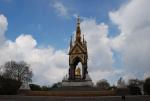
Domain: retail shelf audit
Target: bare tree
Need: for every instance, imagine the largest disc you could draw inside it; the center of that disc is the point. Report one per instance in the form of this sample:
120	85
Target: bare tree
147	86
121	83
19	71
1	70
103	84
135	82
135	86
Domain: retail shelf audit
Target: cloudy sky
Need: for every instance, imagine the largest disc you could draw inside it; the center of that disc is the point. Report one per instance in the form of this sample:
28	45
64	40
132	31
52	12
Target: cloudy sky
38	32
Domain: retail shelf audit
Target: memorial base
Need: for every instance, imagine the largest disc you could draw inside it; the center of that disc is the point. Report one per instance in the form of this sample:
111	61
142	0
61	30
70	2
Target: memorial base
79	83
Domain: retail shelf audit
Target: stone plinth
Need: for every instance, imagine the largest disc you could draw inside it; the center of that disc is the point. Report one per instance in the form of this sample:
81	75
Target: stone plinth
77	83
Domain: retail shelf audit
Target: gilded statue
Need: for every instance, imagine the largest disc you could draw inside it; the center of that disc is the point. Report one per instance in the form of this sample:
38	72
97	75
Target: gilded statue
78	71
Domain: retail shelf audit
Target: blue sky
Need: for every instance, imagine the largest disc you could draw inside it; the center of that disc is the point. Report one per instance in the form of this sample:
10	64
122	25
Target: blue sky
41	19
38	32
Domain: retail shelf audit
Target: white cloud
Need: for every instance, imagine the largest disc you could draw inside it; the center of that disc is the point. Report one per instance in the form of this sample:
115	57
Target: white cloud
3	28
48	65
100	61
26	41
128	76
146	74
133	20
60	9
99	50
111	75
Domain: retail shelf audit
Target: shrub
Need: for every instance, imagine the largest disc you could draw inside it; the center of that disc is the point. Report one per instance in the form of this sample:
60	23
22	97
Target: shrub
134	90
103	84
45	88
9	86
35	87
147	86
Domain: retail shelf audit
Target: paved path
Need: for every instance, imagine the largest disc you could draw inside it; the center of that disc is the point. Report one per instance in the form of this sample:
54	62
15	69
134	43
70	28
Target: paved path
54	98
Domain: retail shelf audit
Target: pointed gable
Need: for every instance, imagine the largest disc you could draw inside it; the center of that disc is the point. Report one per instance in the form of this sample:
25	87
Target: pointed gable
77	49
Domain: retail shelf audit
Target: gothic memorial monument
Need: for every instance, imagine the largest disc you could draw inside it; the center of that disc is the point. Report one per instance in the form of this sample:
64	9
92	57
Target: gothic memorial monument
78	76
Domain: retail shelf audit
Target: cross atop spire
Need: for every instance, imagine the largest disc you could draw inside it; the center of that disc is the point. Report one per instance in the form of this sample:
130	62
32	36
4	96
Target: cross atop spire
78	31
78	21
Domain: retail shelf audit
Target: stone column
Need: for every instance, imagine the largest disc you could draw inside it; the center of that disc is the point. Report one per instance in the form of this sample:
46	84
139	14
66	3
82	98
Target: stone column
71	72
84	70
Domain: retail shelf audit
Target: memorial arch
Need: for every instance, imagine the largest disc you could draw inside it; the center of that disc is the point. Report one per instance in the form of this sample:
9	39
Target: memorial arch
78	58
78	53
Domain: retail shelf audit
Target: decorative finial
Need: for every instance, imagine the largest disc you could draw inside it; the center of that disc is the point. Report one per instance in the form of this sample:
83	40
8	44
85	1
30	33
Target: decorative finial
78	20
71	41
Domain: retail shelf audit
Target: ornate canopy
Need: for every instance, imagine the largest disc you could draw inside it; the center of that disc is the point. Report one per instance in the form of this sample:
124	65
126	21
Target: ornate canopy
78	53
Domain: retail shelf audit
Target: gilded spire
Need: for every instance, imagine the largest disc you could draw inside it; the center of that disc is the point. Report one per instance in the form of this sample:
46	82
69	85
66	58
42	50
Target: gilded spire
78	31
78	21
